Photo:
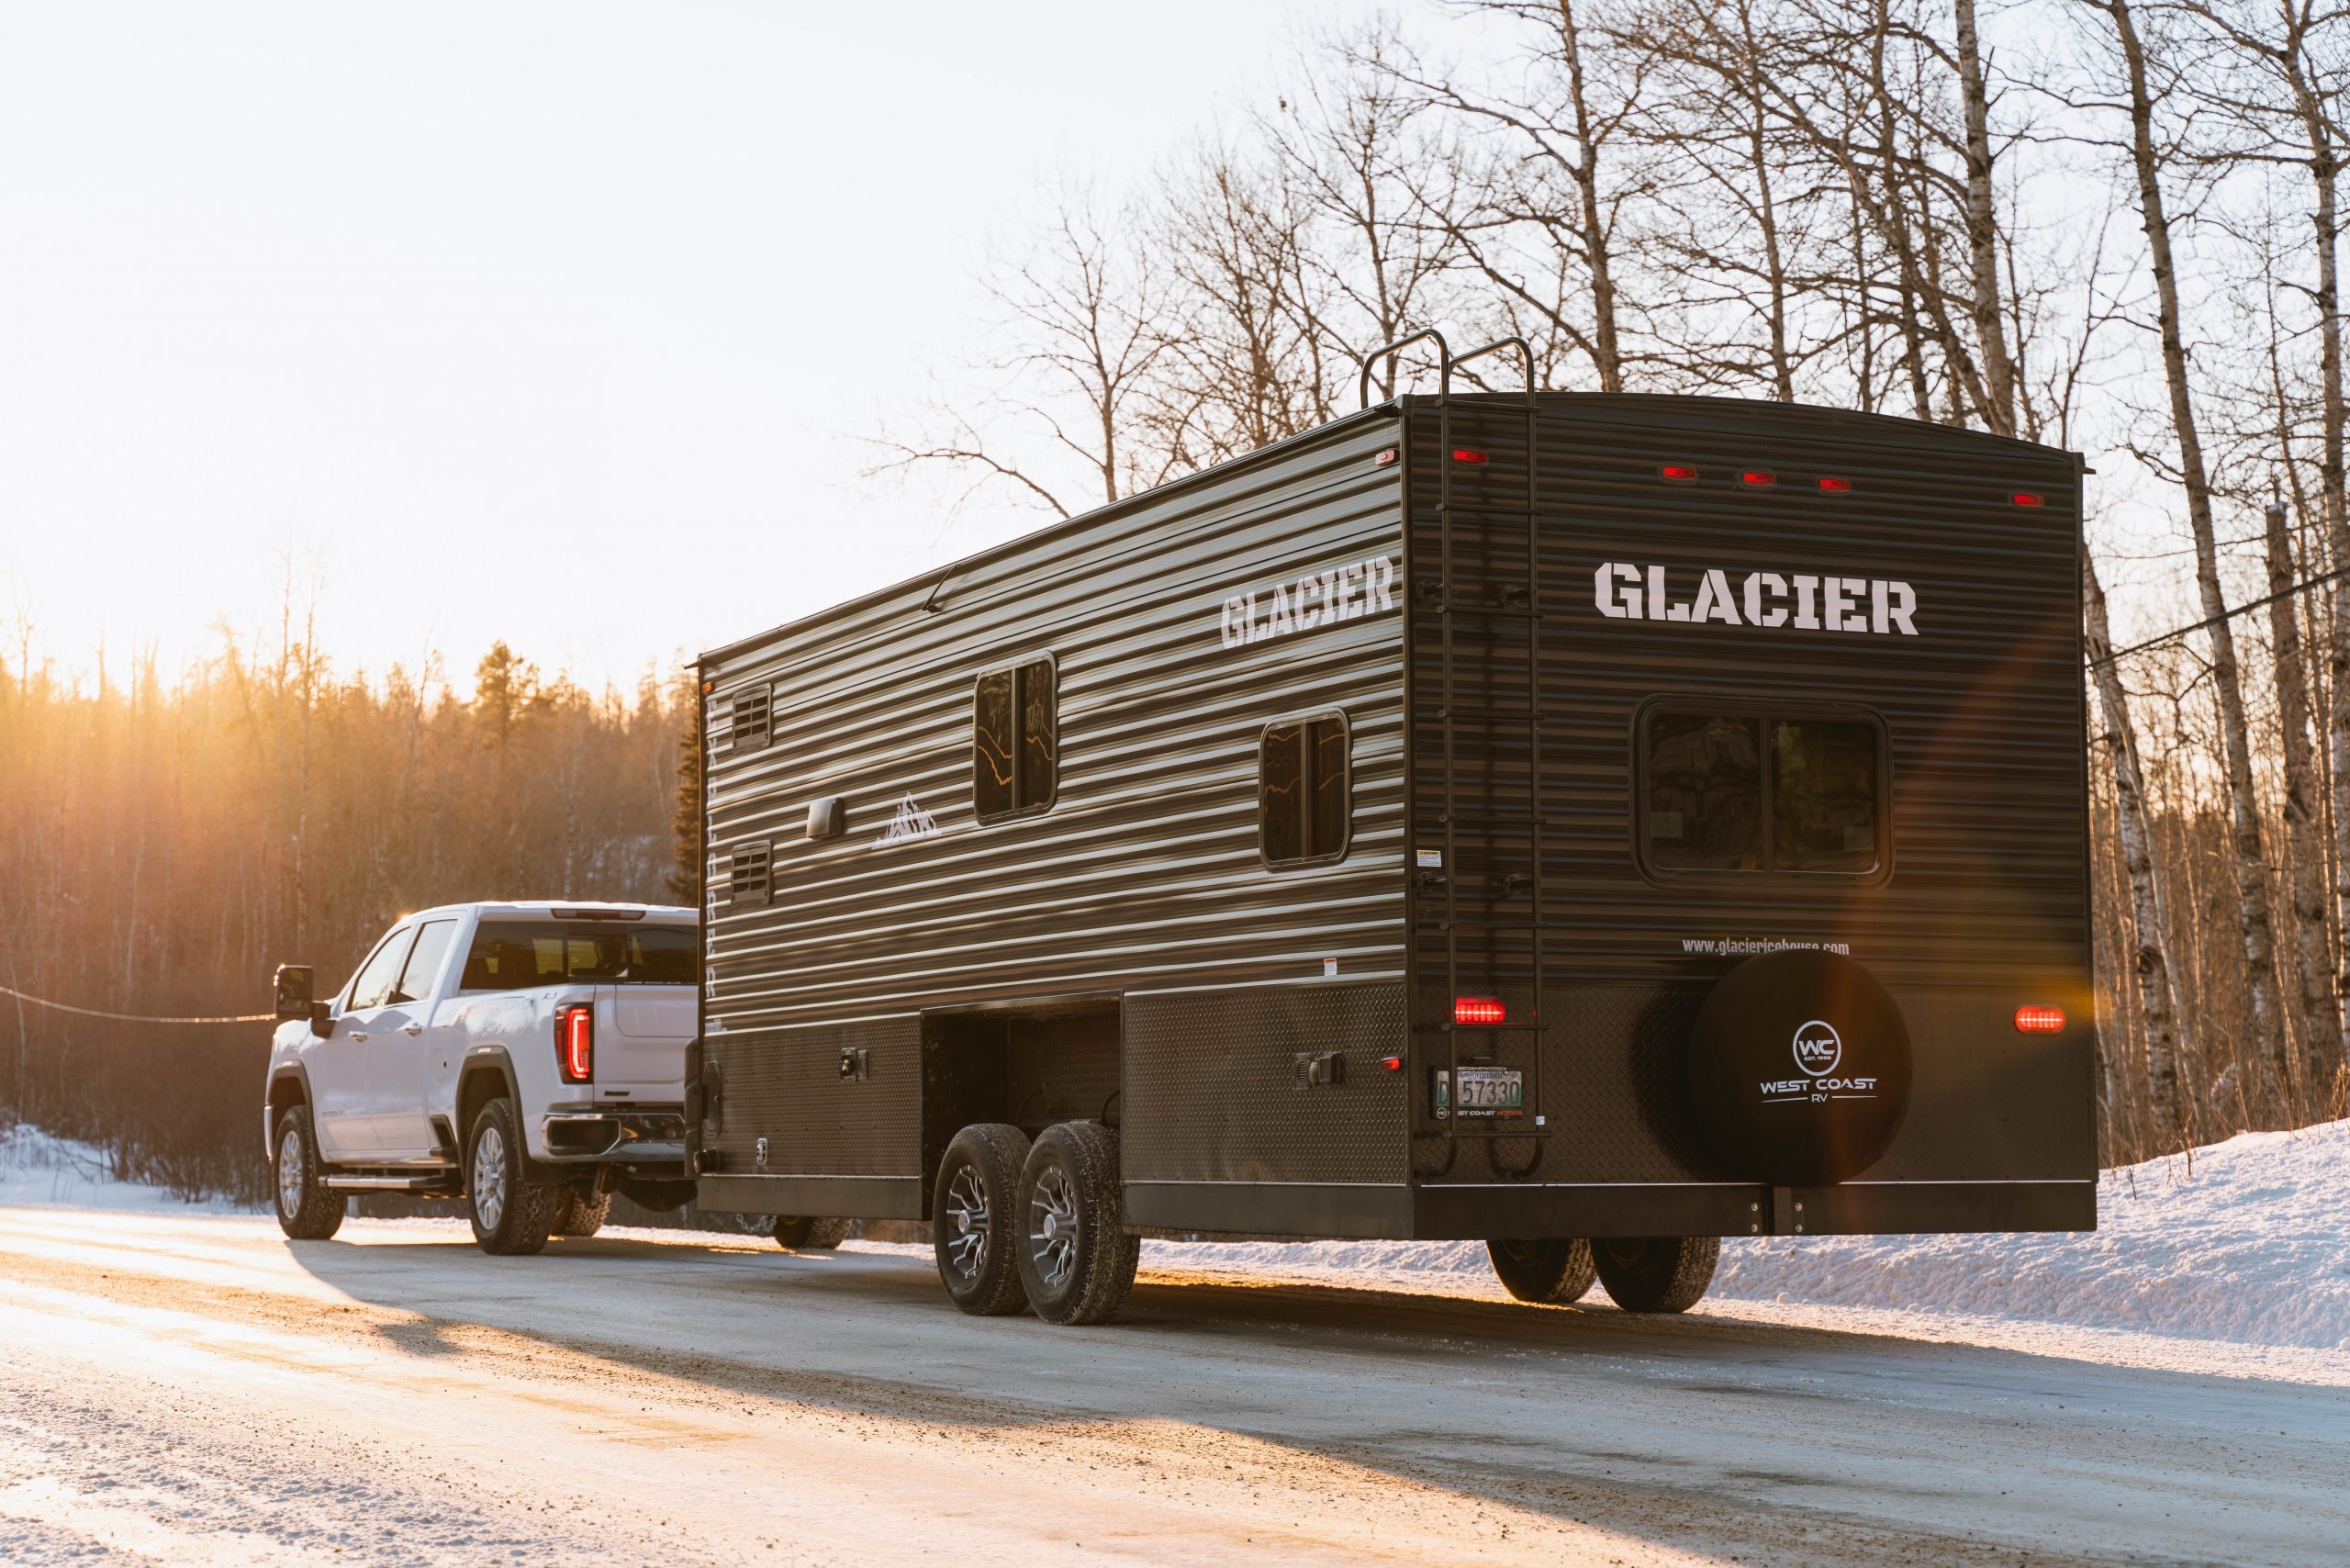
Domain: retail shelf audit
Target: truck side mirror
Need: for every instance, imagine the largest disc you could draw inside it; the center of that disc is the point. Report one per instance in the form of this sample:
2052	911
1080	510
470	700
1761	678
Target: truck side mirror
293	990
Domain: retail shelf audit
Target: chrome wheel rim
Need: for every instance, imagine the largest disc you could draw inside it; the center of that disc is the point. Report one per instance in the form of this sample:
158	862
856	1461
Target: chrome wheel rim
489	1178
967	1215
289	1172
1052	1227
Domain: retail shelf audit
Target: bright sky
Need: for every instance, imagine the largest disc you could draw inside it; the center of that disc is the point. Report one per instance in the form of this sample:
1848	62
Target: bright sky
548	321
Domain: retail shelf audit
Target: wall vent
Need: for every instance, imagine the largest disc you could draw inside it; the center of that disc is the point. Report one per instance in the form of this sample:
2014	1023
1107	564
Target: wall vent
751	712
746	874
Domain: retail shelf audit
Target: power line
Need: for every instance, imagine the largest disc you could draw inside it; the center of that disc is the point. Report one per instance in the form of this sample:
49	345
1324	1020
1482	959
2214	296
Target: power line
130	1017
2210	621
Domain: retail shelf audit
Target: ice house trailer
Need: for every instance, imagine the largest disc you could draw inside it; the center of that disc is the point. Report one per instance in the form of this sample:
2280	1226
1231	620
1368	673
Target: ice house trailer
1595	824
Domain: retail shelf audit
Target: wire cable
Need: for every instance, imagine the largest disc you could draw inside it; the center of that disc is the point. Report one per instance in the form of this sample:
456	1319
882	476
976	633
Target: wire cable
130	1017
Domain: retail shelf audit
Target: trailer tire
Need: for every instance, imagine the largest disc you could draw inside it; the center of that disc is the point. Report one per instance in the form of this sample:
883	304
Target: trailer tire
1076	1258
803	1234
579	1215
511	1215
1656	1274
307	1210
1554	1271
974	1223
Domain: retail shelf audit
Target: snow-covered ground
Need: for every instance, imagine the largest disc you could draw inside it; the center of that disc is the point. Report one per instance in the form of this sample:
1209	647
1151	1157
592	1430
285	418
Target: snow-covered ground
2245	1243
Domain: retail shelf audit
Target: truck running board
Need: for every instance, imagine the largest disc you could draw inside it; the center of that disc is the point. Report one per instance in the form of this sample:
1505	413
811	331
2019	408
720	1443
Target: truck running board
387	1183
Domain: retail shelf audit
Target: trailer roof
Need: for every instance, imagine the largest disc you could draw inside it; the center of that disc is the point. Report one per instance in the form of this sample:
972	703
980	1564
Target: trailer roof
1861	424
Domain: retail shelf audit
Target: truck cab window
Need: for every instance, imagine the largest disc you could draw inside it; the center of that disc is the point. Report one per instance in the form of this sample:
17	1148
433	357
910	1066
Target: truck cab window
372	985
1303	806
423	965
1734	788
1016	741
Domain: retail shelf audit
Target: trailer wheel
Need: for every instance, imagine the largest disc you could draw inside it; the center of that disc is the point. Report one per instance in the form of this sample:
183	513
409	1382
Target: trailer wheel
579	1215
1656	1274
307	1211
511	1215
1556	1269
973	1224
1076	1257
803	1234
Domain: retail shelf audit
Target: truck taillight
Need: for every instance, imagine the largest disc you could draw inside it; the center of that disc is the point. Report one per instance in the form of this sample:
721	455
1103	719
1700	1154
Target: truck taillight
2040	1020
575	1043
1478	1010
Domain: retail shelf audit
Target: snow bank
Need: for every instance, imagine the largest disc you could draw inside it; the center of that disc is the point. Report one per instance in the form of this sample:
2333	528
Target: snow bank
2253	1248
41	1169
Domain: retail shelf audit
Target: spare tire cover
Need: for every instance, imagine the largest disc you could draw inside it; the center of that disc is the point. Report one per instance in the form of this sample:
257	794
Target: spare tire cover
1799	1068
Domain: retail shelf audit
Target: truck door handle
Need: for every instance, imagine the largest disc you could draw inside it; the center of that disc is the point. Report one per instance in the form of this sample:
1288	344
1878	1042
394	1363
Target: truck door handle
411	1028
358	1034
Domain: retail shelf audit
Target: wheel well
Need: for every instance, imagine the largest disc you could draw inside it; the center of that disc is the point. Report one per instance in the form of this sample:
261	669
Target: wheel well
483	1082
285	1091
1031	1069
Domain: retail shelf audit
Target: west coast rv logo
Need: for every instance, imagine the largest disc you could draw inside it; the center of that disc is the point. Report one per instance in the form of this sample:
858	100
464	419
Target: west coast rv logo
1300	604
1818	1052
1807	601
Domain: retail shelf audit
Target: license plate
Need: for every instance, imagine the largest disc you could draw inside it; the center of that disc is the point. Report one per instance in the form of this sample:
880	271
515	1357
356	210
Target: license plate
1482	1092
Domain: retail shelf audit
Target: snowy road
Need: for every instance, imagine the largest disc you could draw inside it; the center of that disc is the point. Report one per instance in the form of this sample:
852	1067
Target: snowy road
191	1387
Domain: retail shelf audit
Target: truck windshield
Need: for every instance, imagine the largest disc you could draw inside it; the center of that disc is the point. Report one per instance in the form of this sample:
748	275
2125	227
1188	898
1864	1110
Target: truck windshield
515	955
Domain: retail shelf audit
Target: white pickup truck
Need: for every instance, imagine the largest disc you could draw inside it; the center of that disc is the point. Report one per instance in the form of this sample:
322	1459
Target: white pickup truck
528	1056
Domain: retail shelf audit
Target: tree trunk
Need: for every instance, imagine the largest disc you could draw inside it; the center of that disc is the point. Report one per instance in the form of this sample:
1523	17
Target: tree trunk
1595	238
1983	232
2150	943
2244	808
2321	1018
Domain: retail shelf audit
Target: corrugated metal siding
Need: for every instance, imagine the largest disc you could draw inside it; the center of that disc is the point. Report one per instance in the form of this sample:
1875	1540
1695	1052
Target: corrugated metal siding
1144	875
1986	902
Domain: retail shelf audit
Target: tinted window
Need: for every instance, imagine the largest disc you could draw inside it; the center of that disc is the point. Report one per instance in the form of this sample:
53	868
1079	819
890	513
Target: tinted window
1824	795
1756	790
423	967
372	985
1302	790
1015	740
515	955
1705	791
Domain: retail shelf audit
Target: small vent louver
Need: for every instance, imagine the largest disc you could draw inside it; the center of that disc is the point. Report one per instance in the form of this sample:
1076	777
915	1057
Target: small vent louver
746	877
751	712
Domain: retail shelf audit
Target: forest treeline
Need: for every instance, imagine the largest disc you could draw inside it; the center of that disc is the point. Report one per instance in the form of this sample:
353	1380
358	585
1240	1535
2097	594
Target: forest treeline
166	841
2109	225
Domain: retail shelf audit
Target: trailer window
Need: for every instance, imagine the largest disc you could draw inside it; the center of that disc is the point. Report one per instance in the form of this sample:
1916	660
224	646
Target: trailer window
1736	788
1302	804
1016	741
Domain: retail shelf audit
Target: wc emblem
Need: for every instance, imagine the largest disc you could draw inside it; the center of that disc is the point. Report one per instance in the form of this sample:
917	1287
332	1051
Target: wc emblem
1817	1048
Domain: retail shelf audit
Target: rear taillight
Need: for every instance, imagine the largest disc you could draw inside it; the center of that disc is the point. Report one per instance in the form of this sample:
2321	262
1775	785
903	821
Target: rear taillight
2040	1020
1478	1010
1760	478
1679	473
1834	485
575	1043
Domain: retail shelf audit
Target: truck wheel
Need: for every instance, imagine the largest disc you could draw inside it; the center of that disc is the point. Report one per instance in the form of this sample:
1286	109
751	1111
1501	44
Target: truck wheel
973	1224
1076	1258
511	1216
579	1215
1556	1269
1656	1274
803	1234
307	1211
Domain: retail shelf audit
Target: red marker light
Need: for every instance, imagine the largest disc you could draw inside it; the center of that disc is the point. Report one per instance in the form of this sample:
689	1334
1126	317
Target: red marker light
2024	499
1679	473
1760	478
1836	487
1467	454
1392	1064
1478	1010
1386	457
2040	1020
575	1043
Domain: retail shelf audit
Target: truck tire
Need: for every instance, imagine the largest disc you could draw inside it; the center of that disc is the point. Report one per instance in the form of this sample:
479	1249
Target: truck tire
579	1215
511	1215
1076	1261
1656	1274
307	1211
973	1219
1555	1270
803	1234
